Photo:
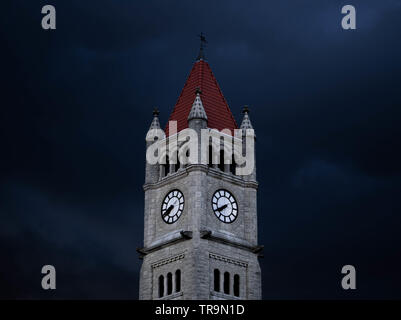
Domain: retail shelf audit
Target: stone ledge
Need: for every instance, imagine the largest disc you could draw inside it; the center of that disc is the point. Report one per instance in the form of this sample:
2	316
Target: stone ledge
178	237
209	235
172	296
223	296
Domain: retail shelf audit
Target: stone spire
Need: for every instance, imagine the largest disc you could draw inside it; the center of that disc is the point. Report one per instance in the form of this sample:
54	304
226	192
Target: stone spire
246	121
152	171
155	122
197	110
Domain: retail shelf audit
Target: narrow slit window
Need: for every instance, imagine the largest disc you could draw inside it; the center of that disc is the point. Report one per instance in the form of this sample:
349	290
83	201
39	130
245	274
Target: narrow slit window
177	165
221	163
232	165
236	285
169	283
178	280
210	156
226	283
217	280
167	167
161	286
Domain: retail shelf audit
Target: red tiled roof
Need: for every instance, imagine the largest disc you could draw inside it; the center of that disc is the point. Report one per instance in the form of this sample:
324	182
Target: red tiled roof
217	110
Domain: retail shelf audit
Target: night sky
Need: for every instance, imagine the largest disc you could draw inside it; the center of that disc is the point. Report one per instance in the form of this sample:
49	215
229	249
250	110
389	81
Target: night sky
76	103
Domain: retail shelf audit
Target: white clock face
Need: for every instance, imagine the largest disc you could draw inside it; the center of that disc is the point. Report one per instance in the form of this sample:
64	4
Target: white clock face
224	206
172	206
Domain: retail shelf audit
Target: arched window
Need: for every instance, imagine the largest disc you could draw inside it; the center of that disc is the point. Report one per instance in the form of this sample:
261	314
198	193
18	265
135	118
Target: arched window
167	170
177	165
178	280
167	166
216	280
161	286
169	283
236	285
226	283
221	163
210	163
232	165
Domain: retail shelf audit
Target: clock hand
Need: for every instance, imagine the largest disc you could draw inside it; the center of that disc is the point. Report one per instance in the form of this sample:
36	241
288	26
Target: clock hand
222	207
168	210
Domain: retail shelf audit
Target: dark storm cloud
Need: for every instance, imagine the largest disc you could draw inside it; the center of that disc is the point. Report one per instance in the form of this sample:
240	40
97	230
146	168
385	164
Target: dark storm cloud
38	230
325	104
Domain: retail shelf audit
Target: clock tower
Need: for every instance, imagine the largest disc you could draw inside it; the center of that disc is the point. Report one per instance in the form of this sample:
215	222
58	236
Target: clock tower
200	219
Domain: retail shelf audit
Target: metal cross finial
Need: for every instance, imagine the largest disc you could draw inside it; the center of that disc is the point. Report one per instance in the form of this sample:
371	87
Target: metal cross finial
198	90
155	111
201	55
245	109
202	40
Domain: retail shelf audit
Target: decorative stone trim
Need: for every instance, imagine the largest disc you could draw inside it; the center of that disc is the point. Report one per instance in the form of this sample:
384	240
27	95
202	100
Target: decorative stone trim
168	260
228	260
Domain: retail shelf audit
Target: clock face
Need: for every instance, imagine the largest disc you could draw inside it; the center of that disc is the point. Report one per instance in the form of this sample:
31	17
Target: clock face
172	206
225	206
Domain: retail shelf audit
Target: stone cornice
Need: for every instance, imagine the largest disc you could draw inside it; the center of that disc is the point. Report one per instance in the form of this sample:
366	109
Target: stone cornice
209	235
181	236
204	234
